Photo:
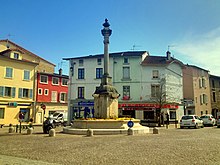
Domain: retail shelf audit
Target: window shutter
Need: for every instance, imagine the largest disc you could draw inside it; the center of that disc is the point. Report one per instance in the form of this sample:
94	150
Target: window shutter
201	99
200	83
13	92
2	91
20	93
31	93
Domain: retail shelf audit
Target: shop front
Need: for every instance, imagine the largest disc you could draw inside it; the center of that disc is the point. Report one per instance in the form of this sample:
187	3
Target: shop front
82	109
149	111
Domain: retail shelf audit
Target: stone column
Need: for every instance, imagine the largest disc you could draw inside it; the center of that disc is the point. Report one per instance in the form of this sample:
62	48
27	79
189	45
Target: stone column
106	96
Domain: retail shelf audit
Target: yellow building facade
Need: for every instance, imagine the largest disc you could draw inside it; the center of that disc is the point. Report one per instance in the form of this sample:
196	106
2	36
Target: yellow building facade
17	85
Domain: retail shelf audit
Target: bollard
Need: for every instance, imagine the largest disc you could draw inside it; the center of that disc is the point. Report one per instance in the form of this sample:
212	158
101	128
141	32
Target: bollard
52	133
29	131
89	132
130	131
155	130
11	129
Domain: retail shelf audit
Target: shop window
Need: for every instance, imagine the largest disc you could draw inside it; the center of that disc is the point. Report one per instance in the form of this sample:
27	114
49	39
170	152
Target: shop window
2	113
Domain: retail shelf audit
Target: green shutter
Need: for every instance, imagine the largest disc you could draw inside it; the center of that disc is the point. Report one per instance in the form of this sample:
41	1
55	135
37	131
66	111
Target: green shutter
2	91
20	92
31	93
13	92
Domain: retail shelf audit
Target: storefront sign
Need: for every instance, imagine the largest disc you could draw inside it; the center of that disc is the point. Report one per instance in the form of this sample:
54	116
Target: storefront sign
86	103
145	106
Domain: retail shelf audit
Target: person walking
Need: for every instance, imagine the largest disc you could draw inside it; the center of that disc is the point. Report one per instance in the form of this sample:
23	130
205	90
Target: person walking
168	120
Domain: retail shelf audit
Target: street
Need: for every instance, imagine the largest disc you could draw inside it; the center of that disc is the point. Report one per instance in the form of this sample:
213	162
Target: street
170	146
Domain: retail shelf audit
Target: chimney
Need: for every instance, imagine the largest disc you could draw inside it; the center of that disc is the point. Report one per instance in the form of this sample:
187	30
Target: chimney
168	55
60	71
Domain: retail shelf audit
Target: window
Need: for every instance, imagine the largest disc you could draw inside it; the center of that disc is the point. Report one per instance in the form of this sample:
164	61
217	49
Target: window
213	97
81	73
155	90
26	75
63	97
126	92
81	92
55	81
202	82
2	113
40	91
44	79
99	61
46	92
9	72
25	93
155	73
16	56
203	99
213	84
81	62
126	72
99	73
201	113
7	91
126	60
54	96
64	82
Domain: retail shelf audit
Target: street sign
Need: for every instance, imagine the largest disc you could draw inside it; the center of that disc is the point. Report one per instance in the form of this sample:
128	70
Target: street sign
130	124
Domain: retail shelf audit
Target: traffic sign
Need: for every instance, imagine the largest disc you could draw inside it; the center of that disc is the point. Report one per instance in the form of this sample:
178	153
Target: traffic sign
130	124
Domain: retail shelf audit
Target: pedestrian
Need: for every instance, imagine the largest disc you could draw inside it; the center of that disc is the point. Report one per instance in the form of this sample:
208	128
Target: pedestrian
162	119
168	119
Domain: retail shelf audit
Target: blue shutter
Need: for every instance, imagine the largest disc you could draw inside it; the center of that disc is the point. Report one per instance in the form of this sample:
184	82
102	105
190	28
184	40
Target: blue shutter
2	91
20	93
31	93
13	92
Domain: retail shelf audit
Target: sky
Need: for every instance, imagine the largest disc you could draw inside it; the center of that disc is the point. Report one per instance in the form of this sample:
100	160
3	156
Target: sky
57	29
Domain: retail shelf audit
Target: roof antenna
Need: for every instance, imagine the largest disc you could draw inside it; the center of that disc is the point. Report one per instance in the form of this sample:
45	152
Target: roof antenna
134	47
8	45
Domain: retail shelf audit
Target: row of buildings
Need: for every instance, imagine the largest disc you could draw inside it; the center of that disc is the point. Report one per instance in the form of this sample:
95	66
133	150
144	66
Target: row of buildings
28	86
146	84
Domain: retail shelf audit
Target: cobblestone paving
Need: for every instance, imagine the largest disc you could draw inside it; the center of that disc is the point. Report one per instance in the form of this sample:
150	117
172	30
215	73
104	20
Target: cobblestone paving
171	146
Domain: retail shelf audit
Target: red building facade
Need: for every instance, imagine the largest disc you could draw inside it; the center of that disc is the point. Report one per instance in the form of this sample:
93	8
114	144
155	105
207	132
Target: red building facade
51	94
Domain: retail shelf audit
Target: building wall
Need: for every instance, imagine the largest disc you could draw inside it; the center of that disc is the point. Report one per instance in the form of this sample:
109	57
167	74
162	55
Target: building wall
44	66
199	89
214	82
12	112
46	99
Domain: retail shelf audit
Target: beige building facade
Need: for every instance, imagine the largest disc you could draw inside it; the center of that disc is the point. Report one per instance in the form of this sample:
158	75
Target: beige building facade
196	91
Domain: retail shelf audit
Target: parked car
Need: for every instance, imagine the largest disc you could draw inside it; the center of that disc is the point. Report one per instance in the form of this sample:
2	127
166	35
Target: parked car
191	121
208	120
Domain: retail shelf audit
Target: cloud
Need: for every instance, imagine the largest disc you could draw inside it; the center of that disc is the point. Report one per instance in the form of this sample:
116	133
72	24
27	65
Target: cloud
202	50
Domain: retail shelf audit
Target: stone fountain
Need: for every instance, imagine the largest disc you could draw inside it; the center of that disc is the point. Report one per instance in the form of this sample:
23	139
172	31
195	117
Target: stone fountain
106	119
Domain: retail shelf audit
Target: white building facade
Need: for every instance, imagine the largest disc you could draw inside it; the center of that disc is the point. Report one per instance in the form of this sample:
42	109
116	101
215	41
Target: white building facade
136	76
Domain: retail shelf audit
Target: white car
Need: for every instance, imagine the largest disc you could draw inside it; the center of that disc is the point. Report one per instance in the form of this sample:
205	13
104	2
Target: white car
191	121
208	120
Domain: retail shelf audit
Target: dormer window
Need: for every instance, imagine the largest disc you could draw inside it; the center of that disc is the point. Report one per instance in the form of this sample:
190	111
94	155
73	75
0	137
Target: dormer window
16	56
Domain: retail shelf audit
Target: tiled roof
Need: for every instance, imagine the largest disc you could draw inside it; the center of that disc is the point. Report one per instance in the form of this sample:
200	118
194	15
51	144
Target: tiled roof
54	74
9	50
118	54
23	49
159	60
13	59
